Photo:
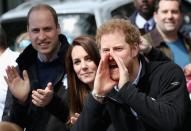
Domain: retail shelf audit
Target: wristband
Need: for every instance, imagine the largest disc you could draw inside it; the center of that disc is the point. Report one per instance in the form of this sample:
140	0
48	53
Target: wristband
97	96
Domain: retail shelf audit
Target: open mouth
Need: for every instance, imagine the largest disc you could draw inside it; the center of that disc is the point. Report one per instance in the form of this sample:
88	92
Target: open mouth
112	66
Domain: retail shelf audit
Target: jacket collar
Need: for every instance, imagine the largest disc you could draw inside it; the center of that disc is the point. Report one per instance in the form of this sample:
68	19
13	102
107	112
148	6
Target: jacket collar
157	39
29	55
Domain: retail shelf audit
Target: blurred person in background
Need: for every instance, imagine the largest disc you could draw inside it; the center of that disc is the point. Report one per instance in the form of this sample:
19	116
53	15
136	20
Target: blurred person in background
7	57
143	15
186	25
167	36
22	41
187	73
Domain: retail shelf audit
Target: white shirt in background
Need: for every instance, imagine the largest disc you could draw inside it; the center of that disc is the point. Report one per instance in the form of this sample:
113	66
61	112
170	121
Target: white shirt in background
7	58
140	22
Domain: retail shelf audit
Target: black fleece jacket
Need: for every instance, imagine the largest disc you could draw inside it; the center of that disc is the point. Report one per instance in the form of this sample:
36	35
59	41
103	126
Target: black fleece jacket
160	100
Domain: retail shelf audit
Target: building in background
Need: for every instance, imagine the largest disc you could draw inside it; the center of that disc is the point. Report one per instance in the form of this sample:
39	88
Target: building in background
6	5
75	17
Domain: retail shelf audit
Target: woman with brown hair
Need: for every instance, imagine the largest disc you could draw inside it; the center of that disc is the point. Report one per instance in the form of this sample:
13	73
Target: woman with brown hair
82	61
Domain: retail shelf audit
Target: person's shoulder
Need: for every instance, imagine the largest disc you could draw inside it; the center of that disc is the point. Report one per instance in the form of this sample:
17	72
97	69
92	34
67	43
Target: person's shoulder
133	16
166	66
63	39
150	36
154	37
153	32
10	54
147	36
14	53
171	65
186	38
162	64
164	69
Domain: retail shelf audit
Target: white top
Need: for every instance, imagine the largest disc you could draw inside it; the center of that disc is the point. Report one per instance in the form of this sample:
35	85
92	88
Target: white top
7	58
140	22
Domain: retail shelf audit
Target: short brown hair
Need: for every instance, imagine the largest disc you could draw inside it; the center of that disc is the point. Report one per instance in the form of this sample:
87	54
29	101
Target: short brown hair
43	6
158	1
132	34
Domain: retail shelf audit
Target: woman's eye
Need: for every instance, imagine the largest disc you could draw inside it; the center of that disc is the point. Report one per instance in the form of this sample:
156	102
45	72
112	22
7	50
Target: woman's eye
88	59
77	62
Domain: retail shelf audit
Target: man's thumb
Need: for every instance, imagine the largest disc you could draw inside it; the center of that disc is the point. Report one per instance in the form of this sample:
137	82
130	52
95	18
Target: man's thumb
49	86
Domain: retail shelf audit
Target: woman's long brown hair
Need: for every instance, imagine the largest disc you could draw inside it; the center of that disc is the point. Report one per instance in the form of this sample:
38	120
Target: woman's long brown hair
77	90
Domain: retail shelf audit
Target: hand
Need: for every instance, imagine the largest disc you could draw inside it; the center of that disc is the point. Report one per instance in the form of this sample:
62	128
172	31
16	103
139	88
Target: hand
145	46
42	97
187	71
74	118
19	87
103	83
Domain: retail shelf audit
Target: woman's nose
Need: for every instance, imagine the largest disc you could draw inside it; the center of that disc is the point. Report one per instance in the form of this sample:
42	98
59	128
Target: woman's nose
84	65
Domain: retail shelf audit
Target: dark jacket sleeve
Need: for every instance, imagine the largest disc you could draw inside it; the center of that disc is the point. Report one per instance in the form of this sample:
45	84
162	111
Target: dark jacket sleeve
166	111
13	110
156	55
58	107
92	117
7	108
18	113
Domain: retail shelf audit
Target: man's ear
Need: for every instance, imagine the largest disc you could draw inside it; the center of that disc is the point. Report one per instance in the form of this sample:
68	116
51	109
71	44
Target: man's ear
155	16
135	49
